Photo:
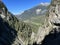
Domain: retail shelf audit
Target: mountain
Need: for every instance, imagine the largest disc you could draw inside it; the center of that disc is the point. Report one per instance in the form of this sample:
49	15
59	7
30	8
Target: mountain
33	12
16	32
35	16
49	33
12	31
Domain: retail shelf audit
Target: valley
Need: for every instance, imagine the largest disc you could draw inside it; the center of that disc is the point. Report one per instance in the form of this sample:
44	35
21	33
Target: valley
39	25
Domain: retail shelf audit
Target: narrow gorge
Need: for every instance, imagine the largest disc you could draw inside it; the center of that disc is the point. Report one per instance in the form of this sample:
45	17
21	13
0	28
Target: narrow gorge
14	31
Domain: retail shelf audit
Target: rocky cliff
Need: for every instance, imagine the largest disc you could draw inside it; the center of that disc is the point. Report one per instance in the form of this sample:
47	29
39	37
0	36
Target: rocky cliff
49	33
13	31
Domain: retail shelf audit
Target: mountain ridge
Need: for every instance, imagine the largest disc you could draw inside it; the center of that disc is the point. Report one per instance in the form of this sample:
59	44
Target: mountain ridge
32	12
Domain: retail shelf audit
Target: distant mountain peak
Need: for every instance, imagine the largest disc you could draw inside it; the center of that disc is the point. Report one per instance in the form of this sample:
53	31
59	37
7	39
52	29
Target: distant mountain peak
35	11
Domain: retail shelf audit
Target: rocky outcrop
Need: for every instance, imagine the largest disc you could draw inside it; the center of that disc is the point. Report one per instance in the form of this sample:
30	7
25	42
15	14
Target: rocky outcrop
6	35
49	33
13	31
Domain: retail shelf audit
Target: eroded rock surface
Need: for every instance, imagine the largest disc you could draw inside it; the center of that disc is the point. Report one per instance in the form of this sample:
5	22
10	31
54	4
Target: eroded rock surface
50	34
12	31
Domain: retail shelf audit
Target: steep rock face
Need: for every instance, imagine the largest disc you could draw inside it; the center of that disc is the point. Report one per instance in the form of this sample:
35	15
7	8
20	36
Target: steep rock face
54	20
6	35
13	31
49	33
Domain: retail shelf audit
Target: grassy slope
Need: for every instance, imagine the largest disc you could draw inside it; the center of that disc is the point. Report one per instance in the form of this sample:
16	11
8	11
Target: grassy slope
36	22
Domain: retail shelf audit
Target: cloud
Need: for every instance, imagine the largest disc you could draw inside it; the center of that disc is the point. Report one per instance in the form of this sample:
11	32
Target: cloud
38	11
45	3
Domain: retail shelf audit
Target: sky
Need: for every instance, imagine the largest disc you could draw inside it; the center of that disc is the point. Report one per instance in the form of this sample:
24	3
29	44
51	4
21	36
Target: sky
18	6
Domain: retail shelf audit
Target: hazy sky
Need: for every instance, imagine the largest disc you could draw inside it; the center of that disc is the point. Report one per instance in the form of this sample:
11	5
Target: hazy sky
18	6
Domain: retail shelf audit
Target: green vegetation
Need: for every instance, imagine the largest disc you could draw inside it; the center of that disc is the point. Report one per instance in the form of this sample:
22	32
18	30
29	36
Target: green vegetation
31	23
24	30
36	22
32	18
